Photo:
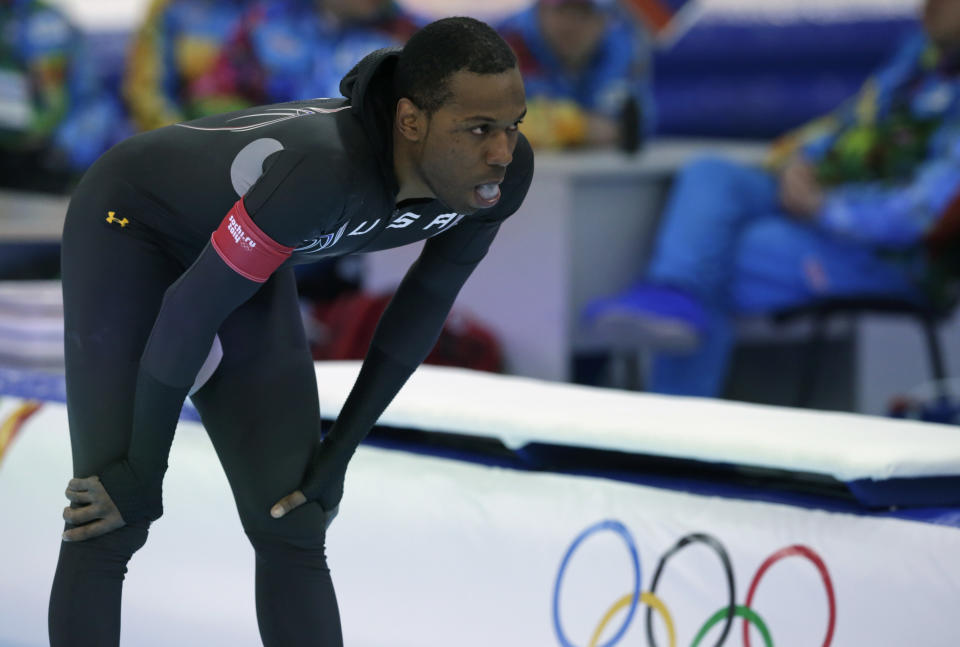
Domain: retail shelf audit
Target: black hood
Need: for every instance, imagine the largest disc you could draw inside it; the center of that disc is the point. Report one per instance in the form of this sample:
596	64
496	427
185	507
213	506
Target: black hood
369	88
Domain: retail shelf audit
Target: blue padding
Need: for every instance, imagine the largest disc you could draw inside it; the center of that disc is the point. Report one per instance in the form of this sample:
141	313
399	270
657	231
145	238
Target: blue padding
758	80
721	47
761	106
730	480
727	481
33	385
931	490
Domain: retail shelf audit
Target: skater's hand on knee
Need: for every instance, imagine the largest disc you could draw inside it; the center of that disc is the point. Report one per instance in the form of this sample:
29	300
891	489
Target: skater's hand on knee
91	509
287	503
295	500
323	483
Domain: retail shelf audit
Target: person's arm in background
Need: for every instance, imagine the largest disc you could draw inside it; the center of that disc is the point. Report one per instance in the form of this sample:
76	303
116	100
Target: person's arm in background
828	180
833	149
150	83
898	215
812	140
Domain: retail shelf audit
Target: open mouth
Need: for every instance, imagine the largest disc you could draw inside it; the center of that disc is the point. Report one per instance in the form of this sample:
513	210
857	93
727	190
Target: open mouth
488	194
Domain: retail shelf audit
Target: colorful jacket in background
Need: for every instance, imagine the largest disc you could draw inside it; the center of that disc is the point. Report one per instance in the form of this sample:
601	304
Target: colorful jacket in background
289	50
890	157
178	44
620	70
51	96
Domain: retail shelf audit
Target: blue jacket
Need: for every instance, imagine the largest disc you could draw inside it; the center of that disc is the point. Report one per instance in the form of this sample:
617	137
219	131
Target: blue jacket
890	156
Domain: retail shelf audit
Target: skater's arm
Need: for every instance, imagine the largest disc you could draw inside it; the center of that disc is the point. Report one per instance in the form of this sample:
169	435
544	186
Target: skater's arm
407	332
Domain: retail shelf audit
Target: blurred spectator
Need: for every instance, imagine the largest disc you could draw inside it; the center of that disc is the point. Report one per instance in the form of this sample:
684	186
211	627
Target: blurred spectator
177	45
843	210
586	69
300	49
54	118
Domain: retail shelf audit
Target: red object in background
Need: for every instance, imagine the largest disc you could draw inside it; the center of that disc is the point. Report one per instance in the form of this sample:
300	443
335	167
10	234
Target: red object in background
660	17
14	423
344	327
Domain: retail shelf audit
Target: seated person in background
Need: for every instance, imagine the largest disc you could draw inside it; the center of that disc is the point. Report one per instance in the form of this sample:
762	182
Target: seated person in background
297	49
177	44
54	118
586	69
843	211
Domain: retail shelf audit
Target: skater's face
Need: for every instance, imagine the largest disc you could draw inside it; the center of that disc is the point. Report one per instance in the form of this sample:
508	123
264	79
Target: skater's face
465	146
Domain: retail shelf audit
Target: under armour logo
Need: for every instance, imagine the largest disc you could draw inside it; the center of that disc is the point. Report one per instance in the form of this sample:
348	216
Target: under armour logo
112	218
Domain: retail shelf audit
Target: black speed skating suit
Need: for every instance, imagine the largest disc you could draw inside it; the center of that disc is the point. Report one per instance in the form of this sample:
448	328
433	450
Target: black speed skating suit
147	289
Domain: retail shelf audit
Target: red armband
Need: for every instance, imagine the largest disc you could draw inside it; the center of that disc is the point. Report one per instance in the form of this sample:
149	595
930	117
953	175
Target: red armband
245	248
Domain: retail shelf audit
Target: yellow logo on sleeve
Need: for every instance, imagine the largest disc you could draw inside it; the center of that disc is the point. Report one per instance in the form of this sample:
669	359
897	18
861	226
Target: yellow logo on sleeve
112	218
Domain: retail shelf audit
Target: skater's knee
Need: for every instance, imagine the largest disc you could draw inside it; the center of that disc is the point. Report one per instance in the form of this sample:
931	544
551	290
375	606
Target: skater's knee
114	547
289	551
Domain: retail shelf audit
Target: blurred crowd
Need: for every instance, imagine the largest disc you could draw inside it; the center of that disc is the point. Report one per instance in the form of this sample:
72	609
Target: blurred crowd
55	119
583	61
854	203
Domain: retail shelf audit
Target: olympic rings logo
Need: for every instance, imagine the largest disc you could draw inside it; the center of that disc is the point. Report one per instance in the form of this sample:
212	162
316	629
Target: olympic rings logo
725	614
